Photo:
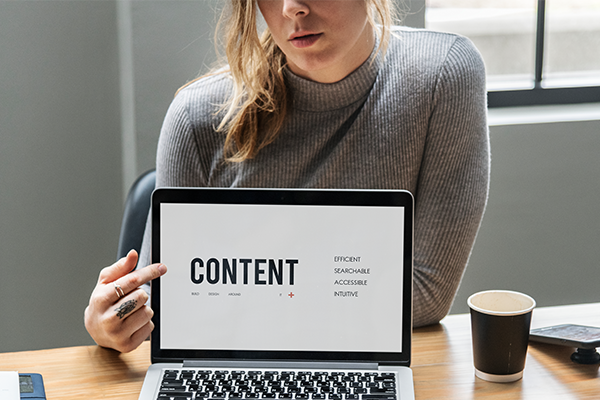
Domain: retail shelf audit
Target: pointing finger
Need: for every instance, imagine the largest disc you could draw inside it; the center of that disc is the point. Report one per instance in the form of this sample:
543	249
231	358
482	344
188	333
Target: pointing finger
119	269
136	279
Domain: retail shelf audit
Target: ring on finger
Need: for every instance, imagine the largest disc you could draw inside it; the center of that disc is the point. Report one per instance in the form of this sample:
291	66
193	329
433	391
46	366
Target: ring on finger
118	290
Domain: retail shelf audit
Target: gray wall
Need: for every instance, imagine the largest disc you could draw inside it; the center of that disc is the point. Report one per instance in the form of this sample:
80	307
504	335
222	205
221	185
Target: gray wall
172	44
541	230
84	86
60	166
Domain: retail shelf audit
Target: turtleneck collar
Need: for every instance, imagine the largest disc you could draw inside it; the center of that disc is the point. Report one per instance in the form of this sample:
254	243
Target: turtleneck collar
309	95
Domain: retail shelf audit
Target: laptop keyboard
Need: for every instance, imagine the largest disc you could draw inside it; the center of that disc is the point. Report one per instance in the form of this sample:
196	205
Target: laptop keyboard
302	385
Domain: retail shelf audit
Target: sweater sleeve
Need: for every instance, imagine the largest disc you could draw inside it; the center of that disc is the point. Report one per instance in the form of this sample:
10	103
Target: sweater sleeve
177	161
453	182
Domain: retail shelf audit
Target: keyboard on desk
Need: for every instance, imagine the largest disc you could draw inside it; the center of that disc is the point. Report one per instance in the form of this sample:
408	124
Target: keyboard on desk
302	385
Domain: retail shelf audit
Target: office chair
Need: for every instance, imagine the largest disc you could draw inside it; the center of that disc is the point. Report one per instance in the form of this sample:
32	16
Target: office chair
135	215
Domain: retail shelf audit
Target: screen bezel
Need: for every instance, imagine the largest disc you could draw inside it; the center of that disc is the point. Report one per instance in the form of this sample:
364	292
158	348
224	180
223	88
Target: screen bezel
321	197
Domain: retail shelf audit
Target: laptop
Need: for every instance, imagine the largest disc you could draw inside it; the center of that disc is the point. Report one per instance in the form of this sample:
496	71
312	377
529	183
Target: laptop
281	294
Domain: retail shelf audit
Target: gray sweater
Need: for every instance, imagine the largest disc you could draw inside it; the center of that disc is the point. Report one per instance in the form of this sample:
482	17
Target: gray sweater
422	128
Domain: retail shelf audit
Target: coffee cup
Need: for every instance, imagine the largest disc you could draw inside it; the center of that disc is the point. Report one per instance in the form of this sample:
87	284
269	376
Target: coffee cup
500	322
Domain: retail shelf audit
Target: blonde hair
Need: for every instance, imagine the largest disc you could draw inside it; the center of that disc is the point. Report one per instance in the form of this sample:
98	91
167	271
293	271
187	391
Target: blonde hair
255	112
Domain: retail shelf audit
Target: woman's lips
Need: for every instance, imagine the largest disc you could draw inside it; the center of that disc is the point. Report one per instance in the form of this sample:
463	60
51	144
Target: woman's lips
305	40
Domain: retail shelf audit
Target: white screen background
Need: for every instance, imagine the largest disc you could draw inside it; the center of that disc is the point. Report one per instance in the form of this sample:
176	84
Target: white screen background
265	317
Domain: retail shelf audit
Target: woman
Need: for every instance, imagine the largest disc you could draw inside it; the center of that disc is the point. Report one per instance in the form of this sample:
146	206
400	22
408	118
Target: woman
327	99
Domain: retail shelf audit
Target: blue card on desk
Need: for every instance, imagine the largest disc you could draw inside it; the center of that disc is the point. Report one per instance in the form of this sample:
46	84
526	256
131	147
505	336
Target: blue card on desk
31	387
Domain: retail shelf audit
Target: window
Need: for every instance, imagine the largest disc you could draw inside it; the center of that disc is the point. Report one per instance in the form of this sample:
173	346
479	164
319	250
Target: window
536	51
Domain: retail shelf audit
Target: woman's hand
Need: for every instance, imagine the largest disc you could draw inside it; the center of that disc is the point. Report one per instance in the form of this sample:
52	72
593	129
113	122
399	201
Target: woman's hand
117	316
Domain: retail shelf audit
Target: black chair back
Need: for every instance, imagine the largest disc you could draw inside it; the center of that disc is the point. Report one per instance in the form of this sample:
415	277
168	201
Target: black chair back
135	215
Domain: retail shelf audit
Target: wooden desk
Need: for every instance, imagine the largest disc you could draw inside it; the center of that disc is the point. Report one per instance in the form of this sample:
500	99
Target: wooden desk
442	365
443	362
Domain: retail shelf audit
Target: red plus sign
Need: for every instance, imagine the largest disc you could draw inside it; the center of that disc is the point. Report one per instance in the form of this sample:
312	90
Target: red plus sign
291	295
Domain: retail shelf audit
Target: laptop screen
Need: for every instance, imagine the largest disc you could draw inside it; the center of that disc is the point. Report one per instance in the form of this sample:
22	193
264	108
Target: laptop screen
279	273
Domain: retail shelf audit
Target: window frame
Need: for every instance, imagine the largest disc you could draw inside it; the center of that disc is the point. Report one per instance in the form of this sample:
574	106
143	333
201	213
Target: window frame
538	94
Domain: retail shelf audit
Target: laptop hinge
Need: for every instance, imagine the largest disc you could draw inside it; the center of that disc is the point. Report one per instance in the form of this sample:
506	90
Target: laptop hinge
278	364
